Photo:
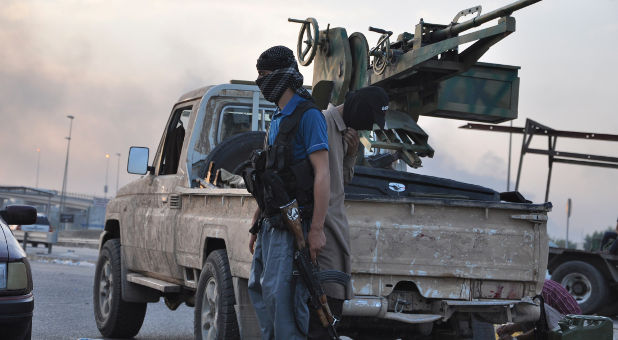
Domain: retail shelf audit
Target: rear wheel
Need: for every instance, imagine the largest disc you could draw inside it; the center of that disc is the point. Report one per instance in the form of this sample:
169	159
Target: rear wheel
115	317
215	318
584	282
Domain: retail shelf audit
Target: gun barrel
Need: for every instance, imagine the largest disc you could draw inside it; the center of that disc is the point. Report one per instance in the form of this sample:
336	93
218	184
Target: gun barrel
454	29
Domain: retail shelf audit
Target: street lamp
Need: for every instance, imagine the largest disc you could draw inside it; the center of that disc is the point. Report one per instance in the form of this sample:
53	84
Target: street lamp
38	162
117	171
106	174
66	166
569	209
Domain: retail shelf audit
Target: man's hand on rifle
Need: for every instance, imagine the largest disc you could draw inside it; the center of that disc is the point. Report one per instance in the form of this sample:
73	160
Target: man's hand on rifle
316	239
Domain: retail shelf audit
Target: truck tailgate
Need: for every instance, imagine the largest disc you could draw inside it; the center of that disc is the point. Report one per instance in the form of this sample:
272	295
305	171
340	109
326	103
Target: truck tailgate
460	248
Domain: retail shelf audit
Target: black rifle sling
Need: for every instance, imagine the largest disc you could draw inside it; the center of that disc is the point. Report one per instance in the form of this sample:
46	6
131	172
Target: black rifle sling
541	331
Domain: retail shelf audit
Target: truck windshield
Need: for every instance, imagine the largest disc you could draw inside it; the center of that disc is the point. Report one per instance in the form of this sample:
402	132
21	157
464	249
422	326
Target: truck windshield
237	119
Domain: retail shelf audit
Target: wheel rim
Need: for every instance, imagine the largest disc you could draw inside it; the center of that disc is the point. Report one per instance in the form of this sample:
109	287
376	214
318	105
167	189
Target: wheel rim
578	286
106	282
209	310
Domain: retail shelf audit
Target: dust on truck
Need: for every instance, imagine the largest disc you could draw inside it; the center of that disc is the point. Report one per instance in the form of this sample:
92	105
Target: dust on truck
428	254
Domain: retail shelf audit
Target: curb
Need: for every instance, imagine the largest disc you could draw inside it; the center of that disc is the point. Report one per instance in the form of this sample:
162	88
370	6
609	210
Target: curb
92	244
51	258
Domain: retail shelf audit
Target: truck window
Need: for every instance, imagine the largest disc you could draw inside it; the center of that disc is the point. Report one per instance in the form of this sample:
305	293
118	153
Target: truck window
174	138
236	119
266	115
40	219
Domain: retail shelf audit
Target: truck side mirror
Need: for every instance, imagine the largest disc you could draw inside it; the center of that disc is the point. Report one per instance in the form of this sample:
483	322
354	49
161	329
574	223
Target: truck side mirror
19	214
138	160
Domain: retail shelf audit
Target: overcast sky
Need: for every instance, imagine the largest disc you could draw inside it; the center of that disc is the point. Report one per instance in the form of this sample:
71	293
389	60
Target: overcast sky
119	66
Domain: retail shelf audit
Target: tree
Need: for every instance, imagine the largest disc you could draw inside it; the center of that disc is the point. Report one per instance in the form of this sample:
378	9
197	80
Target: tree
560	243
592	242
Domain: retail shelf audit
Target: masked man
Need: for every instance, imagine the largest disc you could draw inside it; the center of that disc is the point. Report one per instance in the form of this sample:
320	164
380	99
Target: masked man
361	110
297	151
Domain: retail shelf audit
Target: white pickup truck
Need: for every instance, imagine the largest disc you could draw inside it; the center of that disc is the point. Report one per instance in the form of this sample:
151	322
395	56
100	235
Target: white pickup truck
428	254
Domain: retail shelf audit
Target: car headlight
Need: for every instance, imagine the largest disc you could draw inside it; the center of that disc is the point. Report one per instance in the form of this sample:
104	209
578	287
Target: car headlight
2	275
17	276
14	276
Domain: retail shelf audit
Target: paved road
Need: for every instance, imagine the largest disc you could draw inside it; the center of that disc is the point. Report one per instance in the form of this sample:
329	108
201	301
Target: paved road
63	300
63	305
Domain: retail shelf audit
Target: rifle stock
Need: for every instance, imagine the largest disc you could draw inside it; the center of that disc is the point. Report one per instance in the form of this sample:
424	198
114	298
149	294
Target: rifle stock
291	217
307	268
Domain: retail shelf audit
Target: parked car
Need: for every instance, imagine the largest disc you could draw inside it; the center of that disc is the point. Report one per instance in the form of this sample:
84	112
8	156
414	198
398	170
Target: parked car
38	233
16	299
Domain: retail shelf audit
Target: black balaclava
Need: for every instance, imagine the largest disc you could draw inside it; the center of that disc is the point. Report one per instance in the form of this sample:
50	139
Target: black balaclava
280	60
364	107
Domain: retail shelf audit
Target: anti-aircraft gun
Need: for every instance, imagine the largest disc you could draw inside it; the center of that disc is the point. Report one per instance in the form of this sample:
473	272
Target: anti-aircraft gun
424	73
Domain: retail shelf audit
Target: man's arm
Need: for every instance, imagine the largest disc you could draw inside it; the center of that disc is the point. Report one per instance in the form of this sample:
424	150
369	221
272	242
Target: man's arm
253	237
349	159
321	196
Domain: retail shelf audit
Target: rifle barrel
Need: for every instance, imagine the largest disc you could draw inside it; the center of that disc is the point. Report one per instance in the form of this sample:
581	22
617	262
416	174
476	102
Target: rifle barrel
454	29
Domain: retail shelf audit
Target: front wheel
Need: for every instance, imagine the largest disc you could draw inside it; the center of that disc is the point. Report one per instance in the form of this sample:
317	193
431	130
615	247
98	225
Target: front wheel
115	317
215	318
584	282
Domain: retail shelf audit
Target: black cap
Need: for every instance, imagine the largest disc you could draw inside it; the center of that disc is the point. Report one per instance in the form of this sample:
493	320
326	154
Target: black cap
364	107
275	58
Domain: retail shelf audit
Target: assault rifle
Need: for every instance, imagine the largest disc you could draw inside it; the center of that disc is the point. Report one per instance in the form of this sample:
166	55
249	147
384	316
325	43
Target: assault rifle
290	215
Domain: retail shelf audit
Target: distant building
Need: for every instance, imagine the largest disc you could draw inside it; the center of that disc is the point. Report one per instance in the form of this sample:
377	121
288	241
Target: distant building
81	211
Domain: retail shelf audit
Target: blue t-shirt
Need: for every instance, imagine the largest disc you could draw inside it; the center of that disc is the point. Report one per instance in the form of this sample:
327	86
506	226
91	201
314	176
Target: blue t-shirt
311	135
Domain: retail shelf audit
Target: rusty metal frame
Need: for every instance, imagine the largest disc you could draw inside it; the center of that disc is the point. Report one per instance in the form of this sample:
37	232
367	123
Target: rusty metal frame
533	128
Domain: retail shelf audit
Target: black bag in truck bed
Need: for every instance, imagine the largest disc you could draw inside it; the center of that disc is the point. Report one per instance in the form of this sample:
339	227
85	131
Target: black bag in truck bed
392	183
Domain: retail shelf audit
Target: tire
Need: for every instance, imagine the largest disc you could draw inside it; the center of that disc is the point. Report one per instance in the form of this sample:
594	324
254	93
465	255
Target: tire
610	307
215	318
115	317
584	282
16	330
232	153
28	335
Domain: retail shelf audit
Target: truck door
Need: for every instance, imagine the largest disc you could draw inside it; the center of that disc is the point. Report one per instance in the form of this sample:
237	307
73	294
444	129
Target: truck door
155	222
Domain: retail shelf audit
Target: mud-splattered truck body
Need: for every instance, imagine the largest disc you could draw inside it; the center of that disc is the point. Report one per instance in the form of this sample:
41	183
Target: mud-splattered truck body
427	253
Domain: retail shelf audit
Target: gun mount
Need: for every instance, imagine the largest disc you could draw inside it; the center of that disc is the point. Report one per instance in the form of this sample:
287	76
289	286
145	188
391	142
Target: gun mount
424	73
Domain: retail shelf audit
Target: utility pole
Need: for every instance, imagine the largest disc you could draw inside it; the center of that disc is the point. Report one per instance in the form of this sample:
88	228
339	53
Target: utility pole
66	166
508	169
38	163
117	171
106	174
569	207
